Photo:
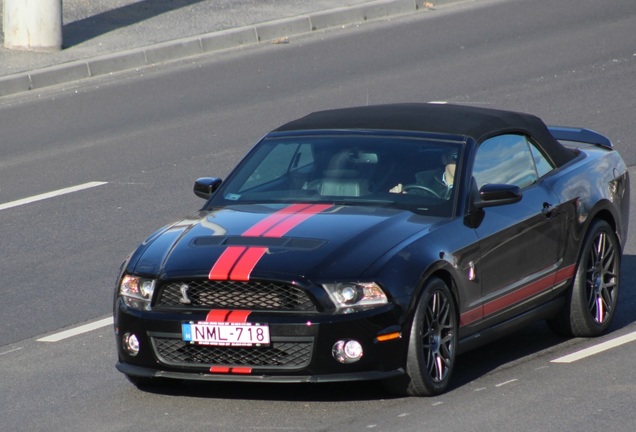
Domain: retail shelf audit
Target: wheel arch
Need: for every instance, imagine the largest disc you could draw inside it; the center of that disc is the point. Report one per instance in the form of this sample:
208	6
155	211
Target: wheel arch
440	271
606	215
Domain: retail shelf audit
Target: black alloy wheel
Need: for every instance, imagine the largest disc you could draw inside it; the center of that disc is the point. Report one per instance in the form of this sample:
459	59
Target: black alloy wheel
433	341
594	294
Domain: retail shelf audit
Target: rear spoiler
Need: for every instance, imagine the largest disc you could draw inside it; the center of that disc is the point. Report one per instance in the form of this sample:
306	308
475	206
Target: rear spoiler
586	136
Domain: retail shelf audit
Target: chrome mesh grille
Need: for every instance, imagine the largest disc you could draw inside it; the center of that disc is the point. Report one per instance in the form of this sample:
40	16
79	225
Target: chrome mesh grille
253	295
284	355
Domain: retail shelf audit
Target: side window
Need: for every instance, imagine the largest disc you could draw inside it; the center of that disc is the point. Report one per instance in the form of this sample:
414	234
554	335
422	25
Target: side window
505	159
543	165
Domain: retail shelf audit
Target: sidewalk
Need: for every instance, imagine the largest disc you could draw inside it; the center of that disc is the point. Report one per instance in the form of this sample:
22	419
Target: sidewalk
105	36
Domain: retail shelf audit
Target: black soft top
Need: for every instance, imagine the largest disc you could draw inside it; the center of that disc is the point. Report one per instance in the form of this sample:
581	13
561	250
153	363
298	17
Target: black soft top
475	122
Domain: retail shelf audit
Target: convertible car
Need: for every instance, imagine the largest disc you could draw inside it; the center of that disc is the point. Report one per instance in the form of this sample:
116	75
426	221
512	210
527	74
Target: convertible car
378	243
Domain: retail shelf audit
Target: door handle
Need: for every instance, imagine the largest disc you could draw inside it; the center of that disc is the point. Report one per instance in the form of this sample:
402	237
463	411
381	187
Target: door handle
548	209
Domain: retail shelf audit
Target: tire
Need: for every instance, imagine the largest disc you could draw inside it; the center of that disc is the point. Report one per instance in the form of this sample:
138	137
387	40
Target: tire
593	297
432	344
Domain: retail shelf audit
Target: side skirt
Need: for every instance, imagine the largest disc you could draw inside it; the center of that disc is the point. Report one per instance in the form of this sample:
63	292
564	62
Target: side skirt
545	311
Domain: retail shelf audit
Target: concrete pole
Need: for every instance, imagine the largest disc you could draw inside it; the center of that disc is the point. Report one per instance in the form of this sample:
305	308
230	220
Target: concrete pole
34	25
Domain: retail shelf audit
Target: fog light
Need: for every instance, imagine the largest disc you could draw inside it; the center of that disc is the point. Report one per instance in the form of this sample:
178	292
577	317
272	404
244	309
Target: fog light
347	351
130	344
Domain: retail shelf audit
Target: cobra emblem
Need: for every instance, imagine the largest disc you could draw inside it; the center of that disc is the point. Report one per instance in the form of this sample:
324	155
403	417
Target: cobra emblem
184	294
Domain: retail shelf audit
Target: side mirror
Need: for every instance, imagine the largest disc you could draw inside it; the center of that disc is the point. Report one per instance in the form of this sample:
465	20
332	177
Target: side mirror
491	195
206	186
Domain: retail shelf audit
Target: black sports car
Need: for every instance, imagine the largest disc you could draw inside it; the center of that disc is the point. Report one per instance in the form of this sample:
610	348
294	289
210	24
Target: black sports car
378	243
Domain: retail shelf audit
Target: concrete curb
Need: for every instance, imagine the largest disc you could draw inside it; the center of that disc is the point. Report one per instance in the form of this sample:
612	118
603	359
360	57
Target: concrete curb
204	44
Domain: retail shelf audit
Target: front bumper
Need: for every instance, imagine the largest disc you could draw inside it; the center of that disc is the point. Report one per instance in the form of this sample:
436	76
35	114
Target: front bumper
300	349
142	372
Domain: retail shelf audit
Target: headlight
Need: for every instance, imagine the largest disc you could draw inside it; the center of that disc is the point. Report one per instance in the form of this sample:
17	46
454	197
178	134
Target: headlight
137	292
353	296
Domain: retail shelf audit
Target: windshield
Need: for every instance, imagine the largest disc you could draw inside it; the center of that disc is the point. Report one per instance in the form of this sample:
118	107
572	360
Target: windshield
404	172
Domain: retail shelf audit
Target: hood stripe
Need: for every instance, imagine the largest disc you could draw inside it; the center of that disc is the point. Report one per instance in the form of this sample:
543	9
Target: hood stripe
237	262
261	227
223	266
243	268
286	225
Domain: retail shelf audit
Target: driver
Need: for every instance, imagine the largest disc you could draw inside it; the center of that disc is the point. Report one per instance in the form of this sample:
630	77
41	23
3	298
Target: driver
440	180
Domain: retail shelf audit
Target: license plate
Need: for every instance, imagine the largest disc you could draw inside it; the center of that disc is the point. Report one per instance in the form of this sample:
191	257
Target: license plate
226	334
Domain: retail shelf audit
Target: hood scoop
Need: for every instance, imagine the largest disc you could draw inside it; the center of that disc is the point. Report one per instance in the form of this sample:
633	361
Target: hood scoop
294	243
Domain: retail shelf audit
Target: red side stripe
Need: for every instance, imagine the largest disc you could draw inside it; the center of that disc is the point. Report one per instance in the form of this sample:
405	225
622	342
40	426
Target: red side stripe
241	370
470	316
520	294
220	369
565	273
223	266
517	296
246	263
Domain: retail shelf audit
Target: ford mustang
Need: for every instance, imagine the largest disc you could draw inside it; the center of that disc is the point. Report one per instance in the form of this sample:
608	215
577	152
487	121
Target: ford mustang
378	243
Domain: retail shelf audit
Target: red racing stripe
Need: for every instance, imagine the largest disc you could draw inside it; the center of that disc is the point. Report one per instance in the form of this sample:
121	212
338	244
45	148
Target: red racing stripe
218	315
226	370
225	315
238	316
235	316
286	225
273	219
246	263
223	266
237	262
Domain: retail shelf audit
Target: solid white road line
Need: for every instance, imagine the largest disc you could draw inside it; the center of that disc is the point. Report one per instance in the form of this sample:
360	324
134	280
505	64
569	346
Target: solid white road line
77	330
613	343
51	194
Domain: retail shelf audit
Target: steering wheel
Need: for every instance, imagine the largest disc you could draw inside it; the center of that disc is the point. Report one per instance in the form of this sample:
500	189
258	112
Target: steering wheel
428	190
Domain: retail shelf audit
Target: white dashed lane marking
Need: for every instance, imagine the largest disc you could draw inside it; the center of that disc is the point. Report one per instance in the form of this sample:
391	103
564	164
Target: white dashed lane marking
10	351
587	352
76	331
52	194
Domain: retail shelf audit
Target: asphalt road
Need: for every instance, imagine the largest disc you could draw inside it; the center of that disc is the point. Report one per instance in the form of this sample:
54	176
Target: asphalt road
149	133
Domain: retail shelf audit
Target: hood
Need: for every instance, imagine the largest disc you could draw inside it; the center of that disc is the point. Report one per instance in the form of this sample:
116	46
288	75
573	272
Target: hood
277	241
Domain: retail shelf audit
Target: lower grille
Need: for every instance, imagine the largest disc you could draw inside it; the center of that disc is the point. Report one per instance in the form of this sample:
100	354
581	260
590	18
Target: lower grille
283	355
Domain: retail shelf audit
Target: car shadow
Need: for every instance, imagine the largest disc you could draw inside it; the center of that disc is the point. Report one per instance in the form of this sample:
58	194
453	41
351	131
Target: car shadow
534	340
91	27
538	339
